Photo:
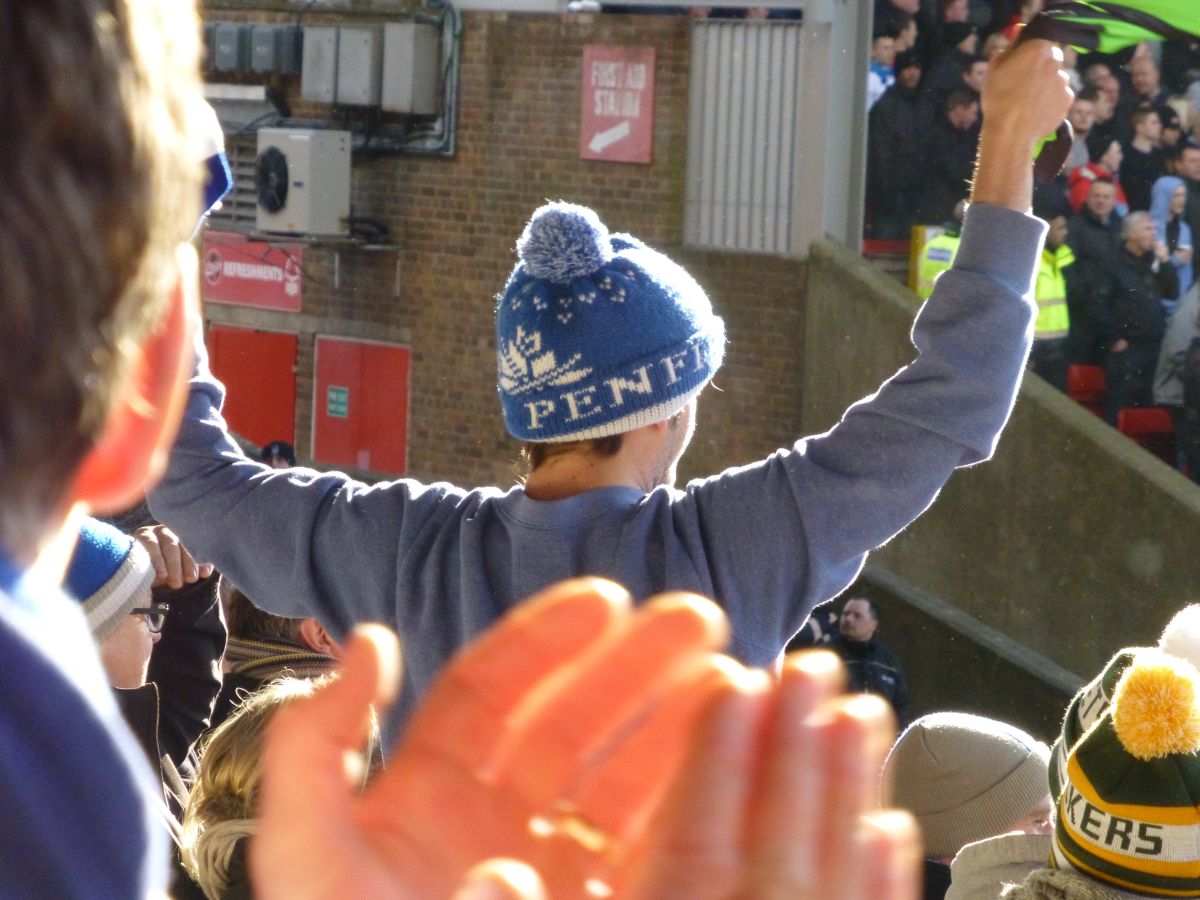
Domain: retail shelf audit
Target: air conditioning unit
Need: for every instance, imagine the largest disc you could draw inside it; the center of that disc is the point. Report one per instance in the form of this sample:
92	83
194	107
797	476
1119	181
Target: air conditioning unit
302	176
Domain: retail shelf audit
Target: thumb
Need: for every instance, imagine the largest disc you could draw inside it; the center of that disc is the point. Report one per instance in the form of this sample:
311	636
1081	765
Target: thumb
501	879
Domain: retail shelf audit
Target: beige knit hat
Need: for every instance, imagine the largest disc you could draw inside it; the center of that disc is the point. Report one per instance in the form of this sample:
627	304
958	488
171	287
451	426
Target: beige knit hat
966	778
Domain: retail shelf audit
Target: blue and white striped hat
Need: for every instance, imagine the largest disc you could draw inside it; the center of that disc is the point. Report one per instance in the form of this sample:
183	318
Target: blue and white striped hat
110	574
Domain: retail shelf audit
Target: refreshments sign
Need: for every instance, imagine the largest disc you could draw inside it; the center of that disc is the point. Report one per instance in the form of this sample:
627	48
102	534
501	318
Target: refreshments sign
242	272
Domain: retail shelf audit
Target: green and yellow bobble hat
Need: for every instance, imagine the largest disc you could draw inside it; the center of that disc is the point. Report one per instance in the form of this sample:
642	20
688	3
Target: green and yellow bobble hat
1126	772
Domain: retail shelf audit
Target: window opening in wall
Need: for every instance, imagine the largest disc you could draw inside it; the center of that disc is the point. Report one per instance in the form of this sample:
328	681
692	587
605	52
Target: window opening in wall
742	135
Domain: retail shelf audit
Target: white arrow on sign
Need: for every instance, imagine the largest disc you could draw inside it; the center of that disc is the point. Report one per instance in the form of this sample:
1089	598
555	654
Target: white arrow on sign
601	140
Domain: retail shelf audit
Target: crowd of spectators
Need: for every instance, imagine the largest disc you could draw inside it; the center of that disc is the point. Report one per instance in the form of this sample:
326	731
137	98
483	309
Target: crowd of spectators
1128	193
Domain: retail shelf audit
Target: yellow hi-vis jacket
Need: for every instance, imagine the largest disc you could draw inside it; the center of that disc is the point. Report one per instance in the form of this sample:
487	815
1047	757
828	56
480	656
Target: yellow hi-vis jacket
1050	291
936	258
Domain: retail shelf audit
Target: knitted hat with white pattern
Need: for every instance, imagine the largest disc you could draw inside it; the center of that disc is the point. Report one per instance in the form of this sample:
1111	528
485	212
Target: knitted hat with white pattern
598	334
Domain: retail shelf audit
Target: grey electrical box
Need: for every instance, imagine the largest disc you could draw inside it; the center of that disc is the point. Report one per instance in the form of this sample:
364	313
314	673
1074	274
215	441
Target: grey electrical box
360	65
410	68
275	48
318	74
231	47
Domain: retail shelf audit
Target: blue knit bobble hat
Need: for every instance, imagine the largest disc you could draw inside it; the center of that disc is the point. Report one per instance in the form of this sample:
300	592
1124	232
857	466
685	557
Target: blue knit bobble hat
596	333
110	574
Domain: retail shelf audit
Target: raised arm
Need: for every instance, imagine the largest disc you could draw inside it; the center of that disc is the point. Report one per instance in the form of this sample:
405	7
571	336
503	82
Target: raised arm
285	535
784	534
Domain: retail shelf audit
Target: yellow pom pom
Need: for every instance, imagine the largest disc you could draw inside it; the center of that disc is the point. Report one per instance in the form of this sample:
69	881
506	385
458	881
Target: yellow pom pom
1155	706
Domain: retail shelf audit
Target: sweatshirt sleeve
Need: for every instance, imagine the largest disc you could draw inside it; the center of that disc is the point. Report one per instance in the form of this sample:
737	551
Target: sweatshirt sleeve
286	536
784	534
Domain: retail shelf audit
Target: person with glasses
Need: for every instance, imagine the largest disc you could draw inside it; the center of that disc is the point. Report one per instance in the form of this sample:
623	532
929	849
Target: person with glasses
145	592
153	616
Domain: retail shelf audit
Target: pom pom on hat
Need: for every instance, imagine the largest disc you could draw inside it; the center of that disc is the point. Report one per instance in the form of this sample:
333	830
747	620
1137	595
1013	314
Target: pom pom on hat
1154	706
1181	638
109	574
564	242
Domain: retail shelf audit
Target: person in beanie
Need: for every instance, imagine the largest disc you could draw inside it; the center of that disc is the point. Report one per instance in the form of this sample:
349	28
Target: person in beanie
604	345
166	698
110	574
896	135
1126	770
966	779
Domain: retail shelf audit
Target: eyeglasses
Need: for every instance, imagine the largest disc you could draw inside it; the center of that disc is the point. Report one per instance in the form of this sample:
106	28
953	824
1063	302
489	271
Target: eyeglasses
154	615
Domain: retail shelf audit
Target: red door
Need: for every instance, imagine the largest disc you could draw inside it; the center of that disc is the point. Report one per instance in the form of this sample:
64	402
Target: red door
360	405
258	369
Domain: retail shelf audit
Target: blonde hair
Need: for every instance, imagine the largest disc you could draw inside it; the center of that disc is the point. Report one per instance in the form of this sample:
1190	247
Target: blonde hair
223	804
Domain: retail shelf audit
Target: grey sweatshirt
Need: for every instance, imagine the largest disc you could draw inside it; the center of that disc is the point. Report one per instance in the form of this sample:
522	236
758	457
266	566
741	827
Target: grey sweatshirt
767	541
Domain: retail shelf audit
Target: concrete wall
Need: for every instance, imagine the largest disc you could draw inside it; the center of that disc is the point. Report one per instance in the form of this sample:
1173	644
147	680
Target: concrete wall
952	661
1072	540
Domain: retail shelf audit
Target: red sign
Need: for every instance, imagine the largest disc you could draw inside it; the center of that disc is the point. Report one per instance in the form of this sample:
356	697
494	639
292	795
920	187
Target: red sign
251	273
616	122
360	405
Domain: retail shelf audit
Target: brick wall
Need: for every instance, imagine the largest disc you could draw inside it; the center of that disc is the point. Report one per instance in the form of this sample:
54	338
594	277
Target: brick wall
455	221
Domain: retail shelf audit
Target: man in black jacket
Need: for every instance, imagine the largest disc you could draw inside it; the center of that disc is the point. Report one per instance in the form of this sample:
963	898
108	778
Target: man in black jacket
870	667
894	142
1128	306
950	157
1094	236
1143	161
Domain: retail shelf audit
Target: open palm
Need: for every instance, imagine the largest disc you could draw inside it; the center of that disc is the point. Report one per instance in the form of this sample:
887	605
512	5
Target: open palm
608	752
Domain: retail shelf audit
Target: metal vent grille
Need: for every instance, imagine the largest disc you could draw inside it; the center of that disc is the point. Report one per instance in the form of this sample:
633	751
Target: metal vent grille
239	210
742	135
